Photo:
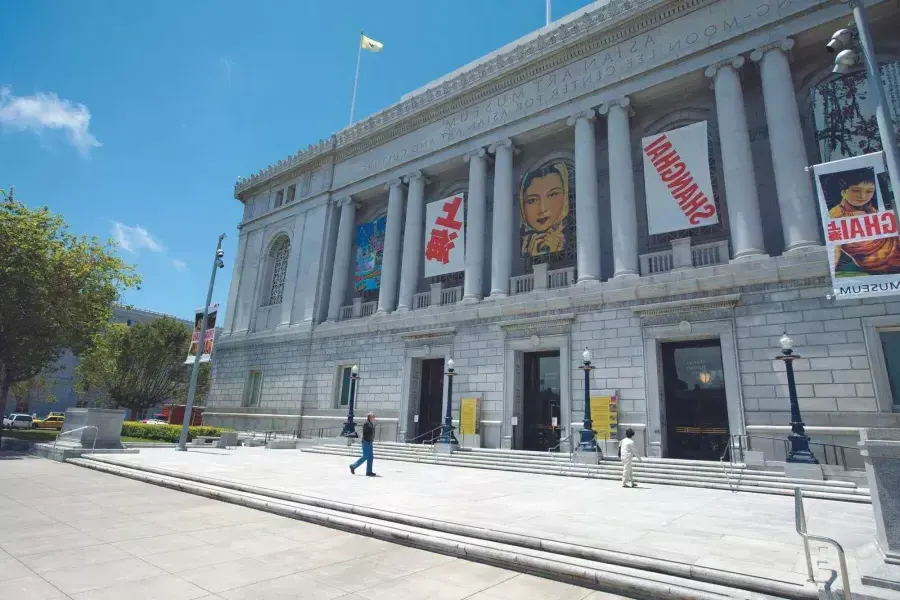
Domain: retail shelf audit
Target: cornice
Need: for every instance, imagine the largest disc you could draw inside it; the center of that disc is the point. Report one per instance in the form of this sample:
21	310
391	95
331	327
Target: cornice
680	306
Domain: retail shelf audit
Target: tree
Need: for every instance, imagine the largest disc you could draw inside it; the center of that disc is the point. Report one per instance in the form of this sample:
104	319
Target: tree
136	367
35	389
203	382
57	290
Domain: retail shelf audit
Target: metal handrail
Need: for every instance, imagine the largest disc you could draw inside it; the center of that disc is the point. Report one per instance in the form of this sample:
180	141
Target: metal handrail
729	450
800	523
96	433
411	440
834	448
560	443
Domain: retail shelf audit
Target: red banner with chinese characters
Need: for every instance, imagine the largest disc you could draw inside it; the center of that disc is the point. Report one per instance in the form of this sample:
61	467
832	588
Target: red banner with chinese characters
445	236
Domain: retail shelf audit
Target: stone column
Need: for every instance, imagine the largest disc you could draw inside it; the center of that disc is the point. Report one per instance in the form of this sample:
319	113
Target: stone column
880	449
588	221
796	200
737	161
623	213
390	259
476	214
505	220
341	271
413	246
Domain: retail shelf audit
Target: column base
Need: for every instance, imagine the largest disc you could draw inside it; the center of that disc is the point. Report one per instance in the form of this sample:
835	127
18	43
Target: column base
470	300
381	313
498	295
403	309
803	246
626	274
752	254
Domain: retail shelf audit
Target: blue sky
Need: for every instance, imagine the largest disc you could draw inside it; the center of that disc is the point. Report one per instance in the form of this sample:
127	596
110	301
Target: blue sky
133	119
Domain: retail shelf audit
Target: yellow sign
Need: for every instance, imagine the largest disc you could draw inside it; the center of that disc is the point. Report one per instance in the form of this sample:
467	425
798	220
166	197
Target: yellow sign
468	416
605	417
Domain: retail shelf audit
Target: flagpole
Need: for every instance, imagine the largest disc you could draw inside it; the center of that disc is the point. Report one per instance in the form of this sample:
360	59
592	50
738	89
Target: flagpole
356	78
548	12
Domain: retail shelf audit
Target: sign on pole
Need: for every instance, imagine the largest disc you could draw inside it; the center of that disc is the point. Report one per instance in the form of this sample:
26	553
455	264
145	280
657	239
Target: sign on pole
605	417
209	338
678	187
445	248
468	416
860	226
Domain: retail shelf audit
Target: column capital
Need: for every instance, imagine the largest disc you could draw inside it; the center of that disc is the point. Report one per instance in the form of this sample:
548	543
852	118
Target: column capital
476	153
415	175
624	102
506	143
735	63
345	201
398	182
784	45
585	114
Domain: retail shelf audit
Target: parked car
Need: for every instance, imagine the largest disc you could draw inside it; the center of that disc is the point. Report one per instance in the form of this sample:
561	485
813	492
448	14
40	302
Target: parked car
18	421
156	420
57	414
49	423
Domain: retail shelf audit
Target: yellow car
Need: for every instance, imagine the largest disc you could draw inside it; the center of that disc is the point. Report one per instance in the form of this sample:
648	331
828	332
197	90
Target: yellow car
51	422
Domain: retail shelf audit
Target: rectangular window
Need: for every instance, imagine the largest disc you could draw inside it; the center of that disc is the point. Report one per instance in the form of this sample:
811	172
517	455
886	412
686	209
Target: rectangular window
279	198
292	192
252	388
890	345
344	390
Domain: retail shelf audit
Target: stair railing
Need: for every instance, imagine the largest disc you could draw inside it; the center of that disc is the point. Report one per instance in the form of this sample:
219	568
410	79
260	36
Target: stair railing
800	523
96	434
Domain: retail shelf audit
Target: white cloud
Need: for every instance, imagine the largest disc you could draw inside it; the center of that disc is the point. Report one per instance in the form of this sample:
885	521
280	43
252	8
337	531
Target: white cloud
133	239
47	111
179	264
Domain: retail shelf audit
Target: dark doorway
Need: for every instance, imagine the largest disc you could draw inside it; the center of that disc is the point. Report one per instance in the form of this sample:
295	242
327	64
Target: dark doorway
431	398
696	412
541	401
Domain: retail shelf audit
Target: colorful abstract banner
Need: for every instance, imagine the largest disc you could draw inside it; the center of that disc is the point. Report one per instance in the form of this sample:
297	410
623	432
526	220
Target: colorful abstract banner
369	251
208	338
445	226
544	206
860	226
677	183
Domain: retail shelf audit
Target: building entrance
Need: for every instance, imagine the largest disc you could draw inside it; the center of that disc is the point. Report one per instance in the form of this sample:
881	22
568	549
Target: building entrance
541	397
431	397
696	413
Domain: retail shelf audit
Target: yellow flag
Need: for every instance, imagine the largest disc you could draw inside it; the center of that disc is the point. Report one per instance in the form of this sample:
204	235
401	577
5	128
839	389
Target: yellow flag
367	43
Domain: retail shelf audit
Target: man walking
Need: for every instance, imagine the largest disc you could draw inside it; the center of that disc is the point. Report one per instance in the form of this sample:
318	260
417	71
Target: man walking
367	454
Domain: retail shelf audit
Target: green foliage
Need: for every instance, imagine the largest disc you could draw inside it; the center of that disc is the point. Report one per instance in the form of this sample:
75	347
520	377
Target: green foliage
203	381
36	389
166	433
136	367
57	290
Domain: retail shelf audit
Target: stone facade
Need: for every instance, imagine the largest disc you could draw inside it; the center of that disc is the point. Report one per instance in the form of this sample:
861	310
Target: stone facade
641	69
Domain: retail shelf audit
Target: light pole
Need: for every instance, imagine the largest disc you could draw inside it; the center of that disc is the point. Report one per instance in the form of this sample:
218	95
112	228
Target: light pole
350	426
800	452
447	436
218	263
588	439
847	56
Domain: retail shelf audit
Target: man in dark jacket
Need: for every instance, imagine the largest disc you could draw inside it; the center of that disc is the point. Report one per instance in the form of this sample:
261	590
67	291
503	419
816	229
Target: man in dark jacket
368	438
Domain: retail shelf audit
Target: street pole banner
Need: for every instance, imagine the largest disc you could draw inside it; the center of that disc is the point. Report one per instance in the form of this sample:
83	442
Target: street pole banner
860	224
445	248
605	417
677	185
209	338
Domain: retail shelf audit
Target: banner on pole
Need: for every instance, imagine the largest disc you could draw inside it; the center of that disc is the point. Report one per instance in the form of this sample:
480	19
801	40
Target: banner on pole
677	184
445	248
468	416
369	251
208	338
605	417
860	226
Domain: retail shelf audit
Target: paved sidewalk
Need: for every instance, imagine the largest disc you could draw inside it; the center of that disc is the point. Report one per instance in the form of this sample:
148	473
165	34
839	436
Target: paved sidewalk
69	532
743	532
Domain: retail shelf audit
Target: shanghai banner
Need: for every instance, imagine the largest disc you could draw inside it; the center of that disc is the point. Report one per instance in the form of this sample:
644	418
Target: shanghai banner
545	198
605	417
209	338
369	249
445	248
860	226
677	184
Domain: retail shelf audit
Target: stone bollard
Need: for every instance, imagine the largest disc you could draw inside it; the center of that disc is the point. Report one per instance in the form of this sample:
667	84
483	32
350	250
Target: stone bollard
880	449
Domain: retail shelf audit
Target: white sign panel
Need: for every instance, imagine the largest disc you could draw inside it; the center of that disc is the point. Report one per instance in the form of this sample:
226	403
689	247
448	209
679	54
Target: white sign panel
676	180
445	236
860	226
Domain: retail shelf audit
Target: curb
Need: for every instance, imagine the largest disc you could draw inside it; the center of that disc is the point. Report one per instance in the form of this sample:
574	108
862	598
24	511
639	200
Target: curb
664	567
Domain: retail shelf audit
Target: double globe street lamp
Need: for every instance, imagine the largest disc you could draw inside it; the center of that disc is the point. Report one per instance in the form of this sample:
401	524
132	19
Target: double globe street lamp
799	452
588	439
349	426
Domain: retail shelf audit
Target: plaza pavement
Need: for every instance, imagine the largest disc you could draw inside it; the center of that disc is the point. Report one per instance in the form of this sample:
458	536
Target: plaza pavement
69	532
739	532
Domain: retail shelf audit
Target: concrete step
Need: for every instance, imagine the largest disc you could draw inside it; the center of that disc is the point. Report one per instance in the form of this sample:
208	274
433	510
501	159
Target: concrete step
597	568
780	486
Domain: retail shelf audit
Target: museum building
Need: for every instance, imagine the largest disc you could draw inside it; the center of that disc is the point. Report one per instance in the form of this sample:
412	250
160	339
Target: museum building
632	180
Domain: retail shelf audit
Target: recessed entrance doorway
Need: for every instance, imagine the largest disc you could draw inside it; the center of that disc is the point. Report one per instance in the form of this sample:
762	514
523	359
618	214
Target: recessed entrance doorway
431	398
695	408
541	413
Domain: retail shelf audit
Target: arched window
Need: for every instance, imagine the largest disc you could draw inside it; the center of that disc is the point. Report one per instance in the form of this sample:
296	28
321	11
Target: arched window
278	263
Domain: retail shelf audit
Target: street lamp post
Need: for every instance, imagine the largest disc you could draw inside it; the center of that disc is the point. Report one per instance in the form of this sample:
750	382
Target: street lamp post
799	452
218	263
846	56
588	439
447	436
350	426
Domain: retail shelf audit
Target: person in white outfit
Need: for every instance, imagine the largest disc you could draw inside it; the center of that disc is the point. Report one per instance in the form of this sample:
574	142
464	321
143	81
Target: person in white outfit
628	452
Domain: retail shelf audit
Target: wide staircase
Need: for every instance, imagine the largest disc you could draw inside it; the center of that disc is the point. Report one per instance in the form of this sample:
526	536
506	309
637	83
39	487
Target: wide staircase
736	477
